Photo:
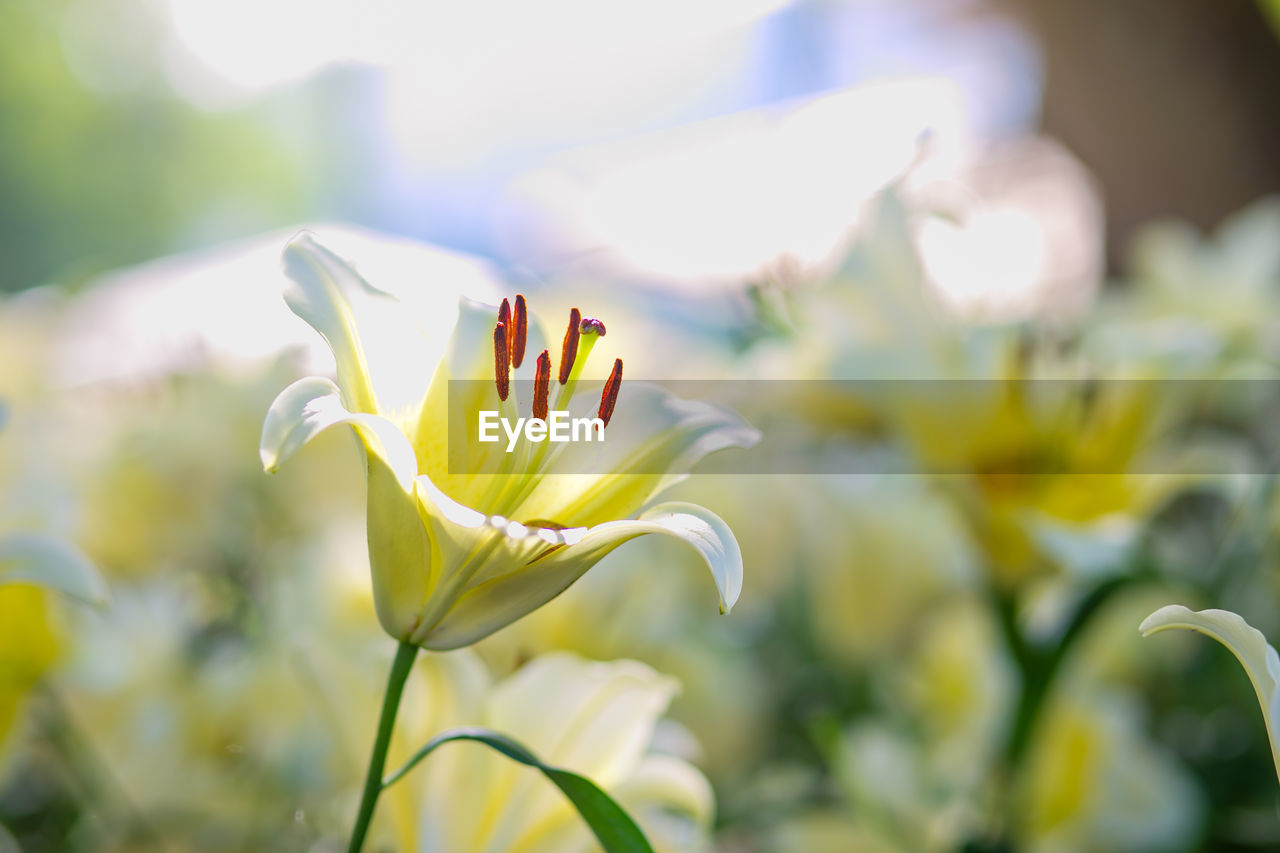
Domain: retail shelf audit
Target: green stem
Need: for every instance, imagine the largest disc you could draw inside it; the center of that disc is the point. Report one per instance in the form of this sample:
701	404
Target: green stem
400	668
1039	665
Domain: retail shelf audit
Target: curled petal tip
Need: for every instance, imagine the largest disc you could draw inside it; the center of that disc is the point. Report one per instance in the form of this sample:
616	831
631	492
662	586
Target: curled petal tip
303	241
1178	616
269	457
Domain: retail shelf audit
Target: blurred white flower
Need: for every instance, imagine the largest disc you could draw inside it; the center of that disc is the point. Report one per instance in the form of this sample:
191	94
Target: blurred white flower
594	718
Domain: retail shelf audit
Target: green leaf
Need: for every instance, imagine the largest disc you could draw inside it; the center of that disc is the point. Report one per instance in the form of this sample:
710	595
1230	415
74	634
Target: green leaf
612	826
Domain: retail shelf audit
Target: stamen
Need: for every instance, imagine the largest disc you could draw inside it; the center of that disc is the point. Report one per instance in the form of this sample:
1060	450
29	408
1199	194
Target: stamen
542	385
591	326
569	351
520	332
609	398
501	361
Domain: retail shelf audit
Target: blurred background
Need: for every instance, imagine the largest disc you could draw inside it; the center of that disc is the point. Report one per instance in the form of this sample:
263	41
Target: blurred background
790	189
534	136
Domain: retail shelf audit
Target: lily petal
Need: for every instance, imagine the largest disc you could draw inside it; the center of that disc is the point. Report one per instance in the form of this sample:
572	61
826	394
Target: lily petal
1247	643
504	599
312	405
450	407
484	548
590	717
399	551
318	294
600	721
48	561
653	442
663	783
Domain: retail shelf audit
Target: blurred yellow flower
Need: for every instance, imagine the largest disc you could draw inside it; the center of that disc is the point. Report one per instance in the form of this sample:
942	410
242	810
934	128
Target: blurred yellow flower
882	559
1041	460
917	774
1091	781
29	645
184	450
1094	782
958	683
463	542
1038	464
32	562
30	641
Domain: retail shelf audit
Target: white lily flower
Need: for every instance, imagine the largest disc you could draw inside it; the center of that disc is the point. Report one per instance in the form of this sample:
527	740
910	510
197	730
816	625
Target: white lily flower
463	542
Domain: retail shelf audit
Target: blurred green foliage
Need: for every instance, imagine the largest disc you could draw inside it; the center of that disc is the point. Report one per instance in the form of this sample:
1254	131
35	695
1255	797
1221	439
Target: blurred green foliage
103	175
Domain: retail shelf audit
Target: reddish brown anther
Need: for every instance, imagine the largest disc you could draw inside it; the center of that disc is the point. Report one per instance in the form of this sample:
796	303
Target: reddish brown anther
591	326
501	361
569	351
504	317
542	386
519	332
609	398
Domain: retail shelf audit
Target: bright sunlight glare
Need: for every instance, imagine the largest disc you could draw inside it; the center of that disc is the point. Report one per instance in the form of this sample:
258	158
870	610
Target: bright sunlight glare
255	45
